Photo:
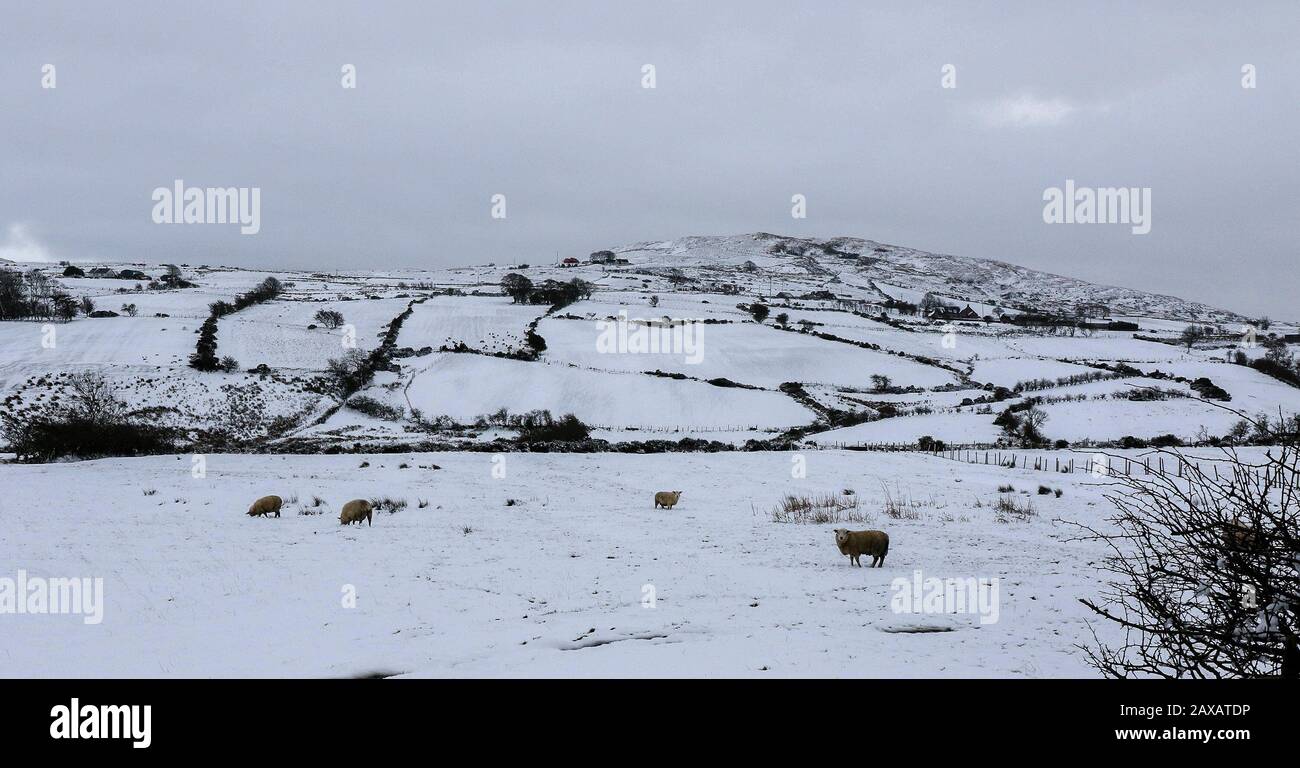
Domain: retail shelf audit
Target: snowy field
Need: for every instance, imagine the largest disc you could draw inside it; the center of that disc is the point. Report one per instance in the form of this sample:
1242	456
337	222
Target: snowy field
276	333
747	353
555	584
467	386
486	324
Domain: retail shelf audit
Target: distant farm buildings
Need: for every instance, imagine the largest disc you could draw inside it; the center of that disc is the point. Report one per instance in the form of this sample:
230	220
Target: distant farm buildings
947	312
1090	310
569	262
606	257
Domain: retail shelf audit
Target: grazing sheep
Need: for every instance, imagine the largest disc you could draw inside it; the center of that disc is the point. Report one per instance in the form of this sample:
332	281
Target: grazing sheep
355	511
267	505
667	499
858	543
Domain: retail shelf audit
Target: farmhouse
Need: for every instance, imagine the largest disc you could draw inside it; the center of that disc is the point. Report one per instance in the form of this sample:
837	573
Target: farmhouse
569	262
944	312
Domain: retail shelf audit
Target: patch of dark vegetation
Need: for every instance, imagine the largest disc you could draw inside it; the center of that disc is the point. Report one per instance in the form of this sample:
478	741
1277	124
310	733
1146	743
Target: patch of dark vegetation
553	292
728	383
374	408
930	445
676	376
919	629
1277	370
379	674
541	427
350	373
205	351
90	423
461	348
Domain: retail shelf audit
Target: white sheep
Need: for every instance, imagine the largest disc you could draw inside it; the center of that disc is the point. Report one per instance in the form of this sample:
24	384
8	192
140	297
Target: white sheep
267	505
667	499
858	543
355	511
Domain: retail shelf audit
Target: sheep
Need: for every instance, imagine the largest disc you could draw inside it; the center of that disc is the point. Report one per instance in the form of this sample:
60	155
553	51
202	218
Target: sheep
267	505
667	499
355	511
858	543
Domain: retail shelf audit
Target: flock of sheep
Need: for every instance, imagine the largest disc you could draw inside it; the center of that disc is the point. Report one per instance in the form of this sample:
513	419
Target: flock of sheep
353	512
855	544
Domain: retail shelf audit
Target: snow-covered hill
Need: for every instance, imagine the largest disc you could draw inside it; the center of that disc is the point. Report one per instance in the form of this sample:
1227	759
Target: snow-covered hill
831	364
855	263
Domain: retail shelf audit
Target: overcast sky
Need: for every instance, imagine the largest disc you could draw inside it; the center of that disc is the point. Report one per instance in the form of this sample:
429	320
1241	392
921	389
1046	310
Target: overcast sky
754	102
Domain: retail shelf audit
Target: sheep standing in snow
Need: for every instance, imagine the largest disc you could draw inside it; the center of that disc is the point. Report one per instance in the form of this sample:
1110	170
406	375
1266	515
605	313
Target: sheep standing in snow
858	543
267	505
355	511
667	499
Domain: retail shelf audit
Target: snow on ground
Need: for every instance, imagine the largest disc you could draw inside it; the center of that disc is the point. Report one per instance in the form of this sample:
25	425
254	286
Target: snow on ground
552	585
1008	372
1182	417
1252	392
92	343
1102	346
747	353
954	428
679	306
483	323
924	340
189	303
276	333
465	386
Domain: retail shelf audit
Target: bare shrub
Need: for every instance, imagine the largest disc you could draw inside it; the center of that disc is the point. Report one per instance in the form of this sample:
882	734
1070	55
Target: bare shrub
388	504
827	508
1009	508
1204	578
901	507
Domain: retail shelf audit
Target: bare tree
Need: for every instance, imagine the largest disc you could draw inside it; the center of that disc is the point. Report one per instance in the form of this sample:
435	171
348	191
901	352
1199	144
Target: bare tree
1205	580
91	398
329	318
